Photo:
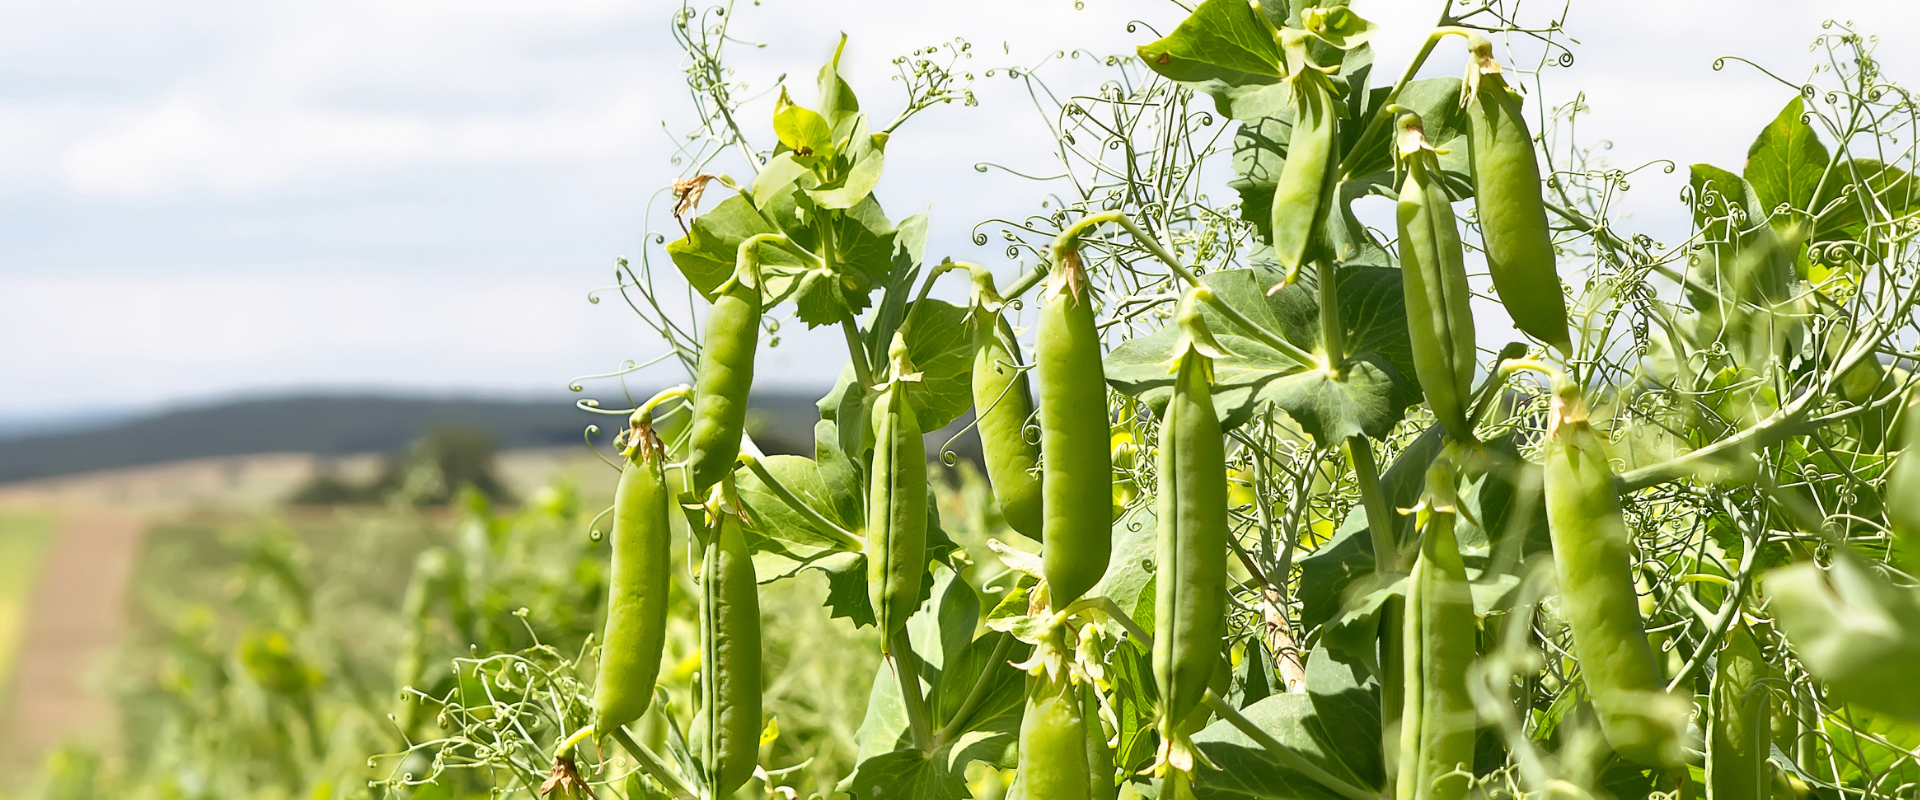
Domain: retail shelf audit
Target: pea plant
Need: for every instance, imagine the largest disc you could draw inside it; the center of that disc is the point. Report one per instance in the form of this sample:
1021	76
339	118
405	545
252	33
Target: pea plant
1273	519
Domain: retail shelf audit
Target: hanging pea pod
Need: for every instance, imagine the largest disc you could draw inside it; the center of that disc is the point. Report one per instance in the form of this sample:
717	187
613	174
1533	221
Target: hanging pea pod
1053	743
725	375
1003	406
1437	718
730	723
1190	606
1506	190
1304	192
1902	496
1742	732
635	637
1434	277
1077	475
1592	555
896	501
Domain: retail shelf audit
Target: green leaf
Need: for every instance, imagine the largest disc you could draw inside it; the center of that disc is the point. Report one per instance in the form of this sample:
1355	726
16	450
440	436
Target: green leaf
1786	160
1130	567
1861	190
938	347
1338	26
1371	399
837	102
909	774
869	157
709	251
1003	689
1346	703
1247	770
1853	629
1222	42
803	131
847	588
771	517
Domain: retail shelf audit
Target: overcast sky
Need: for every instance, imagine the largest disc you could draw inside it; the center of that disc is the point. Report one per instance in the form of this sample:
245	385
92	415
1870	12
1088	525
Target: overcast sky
206	198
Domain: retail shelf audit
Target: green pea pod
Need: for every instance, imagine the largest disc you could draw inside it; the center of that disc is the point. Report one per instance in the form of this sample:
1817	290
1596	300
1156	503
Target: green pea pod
1053	744
1742	731
724	380
896	502
1004	405
1434	277
1593	557
730	723
635	636
1100	766
1301	198
1077	479
1190	605
1438	645
1506	191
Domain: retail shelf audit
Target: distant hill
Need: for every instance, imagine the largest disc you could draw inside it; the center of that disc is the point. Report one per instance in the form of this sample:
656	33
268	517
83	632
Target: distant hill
342	424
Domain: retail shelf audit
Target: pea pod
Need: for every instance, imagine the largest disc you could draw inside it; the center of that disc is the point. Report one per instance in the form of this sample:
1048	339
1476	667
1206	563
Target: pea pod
724	379
896	502
1190	605
1902	496
1303	194
1003	405
636	630
1593	557
1742	732
1053	744
1434	277
1506	191
1101	770
1077	480
1438	645
730	723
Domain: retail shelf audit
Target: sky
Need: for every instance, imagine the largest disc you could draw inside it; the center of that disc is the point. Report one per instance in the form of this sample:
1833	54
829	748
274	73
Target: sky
213	198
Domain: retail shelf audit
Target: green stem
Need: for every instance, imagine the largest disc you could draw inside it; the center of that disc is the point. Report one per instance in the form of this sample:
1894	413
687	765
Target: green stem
841	536
1282	753
1373	503
1380	116
906	670
1333	336
566	747
975	694
857	353
654	766
1729	610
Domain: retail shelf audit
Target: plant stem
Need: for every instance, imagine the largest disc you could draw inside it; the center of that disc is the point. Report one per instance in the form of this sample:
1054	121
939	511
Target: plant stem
906	670
654	766
975	694
1380	115
1333	336
857	353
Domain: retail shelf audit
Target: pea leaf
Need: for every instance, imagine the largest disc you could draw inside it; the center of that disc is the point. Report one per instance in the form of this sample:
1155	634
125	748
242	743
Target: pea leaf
707	254
1248	770
803	131
910	773
1370	399
1130	567
939	347
867	155
773	518
1221	41
1859	191
1785	162
1853	629
838	105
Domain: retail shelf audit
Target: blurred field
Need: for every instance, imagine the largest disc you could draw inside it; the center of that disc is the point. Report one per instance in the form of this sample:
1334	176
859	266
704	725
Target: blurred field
23	542
69	546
